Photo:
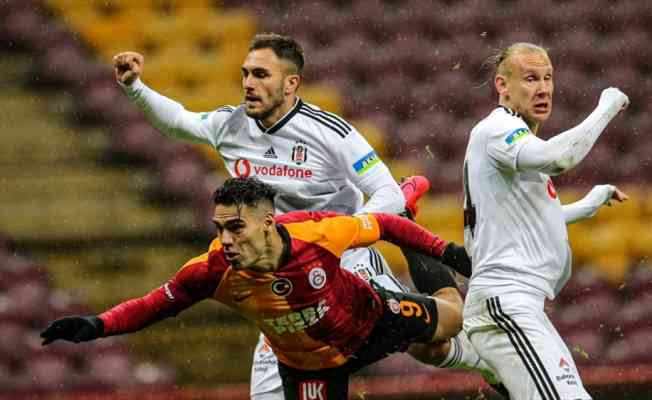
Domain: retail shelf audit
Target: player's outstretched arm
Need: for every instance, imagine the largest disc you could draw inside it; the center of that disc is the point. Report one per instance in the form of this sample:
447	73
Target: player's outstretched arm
405	233
591	203
167	115
564	151
130	316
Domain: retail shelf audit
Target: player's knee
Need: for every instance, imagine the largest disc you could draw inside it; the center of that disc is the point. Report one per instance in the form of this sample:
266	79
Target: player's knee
449	309
429	353
452	296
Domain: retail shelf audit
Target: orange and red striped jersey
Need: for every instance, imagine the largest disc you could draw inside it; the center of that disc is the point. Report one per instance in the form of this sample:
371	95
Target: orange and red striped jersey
313	313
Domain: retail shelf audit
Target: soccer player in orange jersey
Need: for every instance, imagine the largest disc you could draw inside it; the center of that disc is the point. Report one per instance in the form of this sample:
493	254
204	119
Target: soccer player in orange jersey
283	273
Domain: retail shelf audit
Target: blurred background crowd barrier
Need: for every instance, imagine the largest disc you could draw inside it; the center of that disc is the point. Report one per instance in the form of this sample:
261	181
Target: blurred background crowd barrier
96	206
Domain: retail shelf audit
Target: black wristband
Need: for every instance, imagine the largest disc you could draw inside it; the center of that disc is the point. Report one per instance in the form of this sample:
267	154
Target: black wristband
455	257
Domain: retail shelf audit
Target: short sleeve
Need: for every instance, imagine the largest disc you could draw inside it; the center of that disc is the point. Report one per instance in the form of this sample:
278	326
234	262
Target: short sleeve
504	143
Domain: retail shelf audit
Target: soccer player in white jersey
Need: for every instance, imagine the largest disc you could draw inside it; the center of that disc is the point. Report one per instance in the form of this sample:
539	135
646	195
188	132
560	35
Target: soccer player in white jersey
515	225
313	158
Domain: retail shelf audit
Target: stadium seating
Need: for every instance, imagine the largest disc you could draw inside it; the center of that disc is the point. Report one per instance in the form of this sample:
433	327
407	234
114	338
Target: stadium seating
27	304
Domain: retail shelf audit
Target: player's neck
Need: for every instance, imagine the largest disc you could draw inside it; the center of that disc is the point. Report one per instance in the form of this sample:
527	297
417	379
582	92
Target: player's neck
533	125
280	112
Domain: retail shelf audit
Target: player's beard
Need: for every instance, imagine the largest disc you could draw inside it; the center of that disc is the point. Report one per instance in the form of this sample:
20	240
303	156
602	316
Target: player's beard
276	102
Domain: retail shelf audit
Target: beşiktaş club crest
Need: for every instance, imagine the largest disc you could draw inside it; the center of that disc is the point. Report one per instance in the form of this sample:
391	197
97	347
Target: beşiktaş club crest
299	152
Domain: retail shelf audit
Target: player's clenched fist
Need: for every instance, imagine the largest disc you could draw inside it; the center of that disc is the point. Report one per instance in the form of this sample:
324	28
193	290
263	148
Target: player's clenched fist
127	66
614	99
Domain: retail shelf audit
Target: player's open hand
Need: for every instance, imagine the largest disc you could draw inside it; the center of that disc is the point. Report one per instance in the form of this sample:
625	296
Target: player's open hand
73	329
614	99
127	66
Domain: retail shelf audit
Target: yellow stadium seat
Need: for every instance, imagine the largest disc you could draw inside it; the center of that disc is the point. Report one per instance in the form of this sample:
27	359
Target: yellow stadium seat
646	199
641	238
169	31
109	30
612	266
578	236
160	73
79	18
214	67
227	27
325	97
373	134
403	168
209	97
442	213
393	256
62	6
606	241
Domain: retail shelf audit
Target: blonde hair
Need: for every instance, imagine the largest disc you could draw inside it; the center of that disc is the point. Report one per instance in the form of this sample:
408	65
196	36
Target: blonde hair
497	63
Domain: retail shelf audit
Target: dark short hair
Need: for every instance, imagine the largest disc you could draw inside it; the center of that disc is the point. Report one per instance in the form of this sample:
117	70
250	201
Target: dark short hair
244	191
285	48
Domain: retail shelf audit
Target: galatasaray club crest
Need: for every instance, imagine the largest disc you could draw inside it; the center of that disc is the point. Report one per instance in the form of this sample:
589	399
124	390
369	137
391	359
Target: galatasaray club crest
299	153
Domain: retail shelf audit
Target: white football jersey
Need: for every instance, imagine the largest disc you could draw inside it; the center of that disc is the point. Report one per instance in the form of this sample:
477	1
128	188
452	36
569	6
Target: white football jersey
514	225
313	158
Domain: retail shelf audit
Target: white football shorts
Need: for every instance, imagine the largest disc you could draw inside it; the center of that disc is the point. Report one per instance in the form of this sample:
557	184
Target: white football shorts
513	334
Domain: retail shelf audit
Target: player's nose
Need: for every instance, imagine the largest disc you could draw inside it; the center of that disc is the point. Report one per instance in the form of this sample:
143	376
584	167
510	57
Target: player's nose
226	239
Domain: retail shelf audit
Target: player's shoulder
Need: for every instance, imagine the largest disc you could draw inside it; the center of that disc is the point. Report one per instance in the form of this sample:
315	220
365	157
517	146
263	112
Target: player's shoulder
224	113
214	255
316	226
329	123
500	120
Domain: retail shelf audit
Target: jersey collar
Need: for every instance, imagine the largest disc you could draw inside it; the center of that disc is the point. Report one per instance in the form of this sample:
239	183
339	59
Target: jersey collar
287	245
286	118
510	111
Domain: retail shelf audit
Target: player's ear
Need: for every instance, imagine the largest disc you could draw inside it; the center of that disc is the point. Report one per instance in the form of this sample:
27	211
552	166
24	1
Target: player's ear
292	82
268	221
500	82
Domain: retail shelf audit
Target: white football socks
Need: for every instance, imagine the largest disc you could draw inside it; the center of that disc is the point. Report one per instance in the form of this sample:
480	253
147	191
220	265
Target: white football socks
462	355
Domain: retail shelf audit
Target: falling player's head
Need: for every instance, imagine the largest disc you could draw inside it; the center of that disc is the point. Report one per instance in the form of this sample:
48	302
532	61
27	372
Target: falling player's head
524	81
271	74
244	218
